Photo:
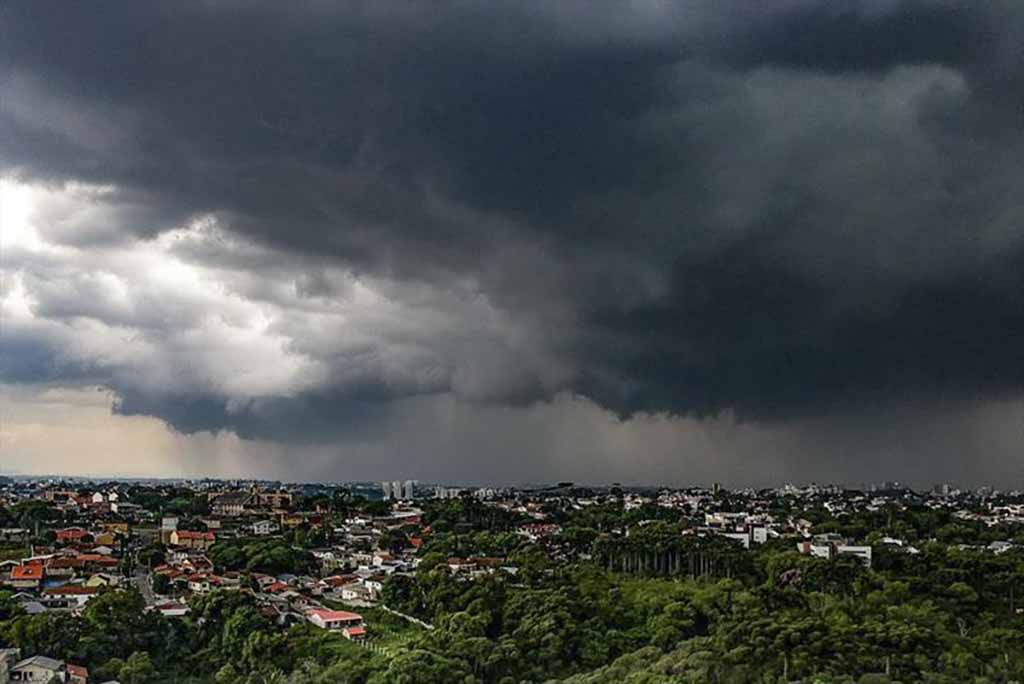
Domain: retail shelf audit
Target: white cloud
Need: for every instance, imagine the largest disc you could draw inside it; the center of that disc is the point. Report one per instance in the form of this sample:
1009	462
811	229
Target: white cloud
198	311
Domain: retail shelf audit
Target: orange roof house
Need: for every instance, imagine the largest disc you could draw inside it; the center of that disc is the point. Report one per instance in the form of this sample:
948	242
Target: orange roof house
32	572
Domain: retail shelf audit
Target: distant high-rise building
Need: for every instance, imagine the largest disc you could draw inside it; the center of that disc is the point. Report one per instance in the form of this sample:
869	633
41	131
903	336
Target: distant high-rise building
386	488
447	492
407	491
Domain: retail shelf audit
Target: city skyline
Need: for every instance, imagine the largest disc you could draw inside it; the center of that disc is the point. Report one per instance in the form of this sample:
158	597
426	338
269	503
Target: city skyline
439	489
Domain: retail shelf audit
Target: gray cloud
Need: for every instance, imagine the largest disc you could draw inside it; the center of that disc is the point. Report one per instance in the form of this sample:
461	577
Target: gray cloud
687	207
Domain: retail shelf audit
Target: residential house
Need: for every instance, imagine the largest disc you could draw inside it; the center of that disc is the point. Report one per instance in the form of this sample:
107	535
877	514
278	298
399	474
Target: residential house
536	531
116	527
28	576
103	579
462	565
336	581
73	535
382	558
356	592
38	670
328	560
105	539
263	528
199	584
263	581
77	674
64	568
95	562
193	540
349	624
274	500
375	584
861	552
75	596
231	581
172	609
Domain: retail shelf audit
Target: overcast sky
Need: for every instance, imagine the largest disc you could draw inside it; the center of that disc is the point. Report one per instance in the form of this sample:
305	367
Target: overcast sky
636	241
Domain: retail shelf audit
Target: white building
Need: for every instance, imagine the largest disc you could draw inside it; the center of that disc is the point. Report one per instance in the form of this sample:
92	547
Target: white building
262	528
862	552
350	624
742	537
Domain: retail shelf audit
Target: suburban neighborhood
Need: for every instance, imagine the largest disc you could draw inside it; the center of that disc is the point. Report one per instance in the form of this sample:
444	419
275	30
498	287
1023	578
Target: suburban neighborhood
342	559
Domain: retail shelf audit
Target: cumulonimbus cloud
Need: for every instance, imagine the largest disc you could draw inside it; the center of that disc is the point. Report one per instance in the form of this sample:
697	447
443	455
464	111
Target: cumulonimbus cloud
291	218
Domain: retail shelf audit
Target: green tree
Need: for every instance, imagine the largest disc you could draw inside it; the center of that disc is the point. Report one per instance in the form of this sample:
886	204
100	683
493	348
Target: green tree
137	669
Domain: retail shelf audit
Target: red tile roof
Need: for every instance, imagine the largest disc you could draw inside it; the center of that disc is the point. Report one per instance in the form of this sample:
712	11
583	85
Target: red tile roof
188	534
71	533
72	590
61	563
27	572
334	615
78	671
338	580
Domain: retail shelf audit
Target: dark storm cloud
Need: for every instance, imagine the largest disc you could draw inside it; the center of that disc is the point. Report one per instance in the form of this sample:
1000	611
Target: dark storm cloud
778	343
305	419
850	37
686	207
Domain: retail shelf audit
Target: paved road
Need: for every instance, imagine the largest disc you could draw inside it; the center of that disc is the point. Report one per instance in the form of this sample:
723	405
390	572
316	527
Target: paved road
146	589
